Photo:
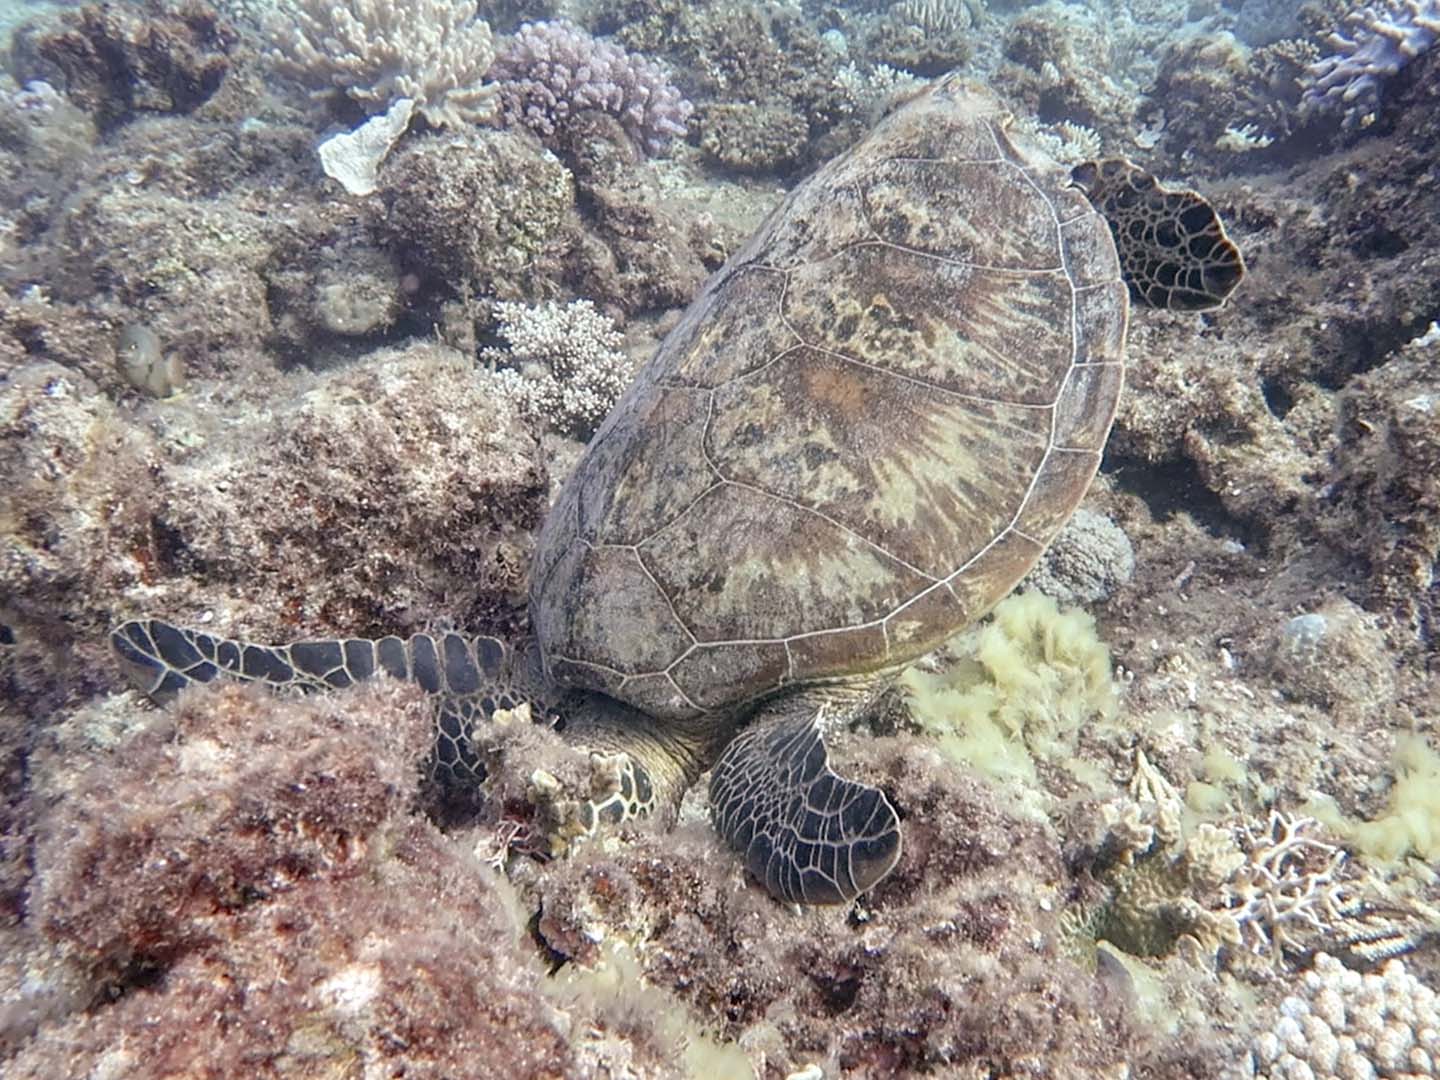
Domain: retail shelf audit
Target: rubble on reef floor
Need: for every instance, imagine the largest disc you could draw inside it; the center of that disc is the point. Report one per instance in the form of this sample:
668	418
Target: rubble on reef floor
1188	832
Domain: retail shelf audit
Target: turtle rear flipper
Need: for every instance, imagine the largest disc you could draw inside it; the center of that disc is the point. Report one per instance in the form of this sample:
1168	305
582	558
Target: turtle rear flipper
160	659
470	677
810	835
1172	245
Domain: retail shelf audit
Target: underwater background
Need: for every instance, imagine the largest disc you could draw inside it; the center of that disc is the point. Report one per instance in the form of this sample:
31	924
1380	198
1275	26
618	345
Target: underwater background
307	308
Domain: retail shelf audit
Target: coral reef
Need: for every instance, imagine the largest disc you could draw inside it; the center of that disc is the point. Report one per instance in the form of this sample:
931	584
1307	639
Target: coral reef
1214	98
1059	66
1383	38
1343	1023
551	70
752	138
951	966
250	882
243	879
1087	562
732	54
115	61
454	214
927	38
1264	22
1387	472
434	52
645	247
279	529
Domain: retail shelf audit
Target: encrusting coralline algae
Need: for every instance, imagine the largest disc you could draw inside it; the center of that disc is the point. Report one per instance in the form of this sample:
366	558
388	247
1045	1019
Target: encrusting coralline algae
245	883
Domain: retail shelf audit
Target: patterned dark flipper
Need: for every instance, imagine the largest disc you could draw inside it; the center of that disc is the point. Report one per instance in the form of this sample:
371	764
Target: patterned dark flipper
472	676
1172	245
809	835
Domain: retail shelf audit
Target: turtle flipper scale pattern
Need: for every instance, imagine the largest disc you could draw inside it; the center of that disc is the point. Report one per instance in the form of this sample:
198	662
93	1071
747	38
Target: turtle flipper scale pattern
1172	244
810	835
161	659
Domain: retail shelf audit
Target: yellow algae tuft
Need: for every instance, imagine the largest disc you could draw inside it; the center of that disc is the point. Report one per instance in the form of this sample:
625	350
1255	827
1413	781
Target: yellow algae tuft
1022	686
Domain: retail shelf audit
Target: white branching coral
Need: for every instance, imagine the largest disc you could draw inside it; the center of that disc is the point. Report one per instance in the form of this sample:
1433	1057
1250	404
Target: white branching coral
1344	1024
1290	880
563	364
433	52
870	92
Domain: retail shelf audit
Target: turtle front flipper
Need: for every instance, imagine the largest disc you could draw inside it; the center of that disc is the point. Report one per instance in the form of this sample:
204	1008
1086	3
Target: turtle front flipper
1172	244
810	835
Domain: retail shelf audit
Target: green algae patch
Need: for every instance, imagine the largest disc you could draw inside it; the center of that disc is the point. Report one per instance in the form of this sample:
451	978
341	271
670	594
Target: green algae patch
1410	824
1019	690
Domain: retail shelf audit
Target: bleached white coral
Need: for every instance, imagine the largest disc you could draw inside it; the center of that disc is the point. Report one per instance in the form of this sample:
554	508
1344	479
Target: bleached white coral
563	364
1344	1024
1291	880
434	52
870	91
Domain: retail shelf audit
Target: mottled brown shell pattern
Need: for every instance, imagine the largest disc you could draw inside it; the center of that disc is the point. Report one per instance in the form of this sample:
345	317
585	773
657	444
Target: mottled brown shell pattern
863	432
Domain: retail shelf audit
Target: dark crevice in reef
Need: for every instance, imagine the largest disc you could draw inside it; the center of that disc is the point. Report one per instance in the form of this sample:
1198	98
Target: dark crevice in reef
1170	487
1278	398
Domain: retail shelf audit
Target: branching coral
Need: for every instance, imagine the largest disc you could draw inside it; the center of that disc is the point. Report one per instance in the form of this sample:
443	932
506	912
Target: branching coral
1383	38
566	366
552	70
1279	889
434	52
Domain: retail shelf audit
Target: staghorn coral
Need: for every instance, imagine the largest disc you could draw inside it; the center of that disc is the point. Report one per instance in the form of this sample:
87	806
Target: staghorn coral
1237	891
1383	38
563	363
434	52
551	70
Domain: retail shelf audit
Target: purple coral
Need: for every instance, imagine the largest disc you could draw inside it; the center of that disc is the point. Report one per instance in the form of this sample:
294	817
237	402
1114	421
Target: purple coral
551	70
1384	38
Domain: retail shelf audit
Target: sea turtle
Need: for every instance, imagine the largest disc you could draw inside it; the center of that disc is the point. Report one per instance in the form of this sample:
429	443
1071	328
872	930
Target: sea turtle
859	437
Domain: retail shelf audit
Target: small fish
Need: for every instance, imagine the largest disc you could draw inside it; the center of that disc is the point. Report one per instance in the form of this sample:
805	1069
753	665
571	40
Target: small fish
142	361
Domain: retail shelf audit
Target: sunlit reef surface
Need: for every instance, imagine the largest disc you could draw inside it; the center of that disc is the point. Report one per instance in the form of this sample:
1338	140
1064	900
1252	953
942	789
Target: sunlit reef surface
1193	838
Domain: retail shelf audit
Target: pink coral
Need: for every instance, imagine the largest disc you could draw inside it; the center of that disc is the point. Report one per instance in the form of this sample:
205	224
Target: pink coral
551	70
